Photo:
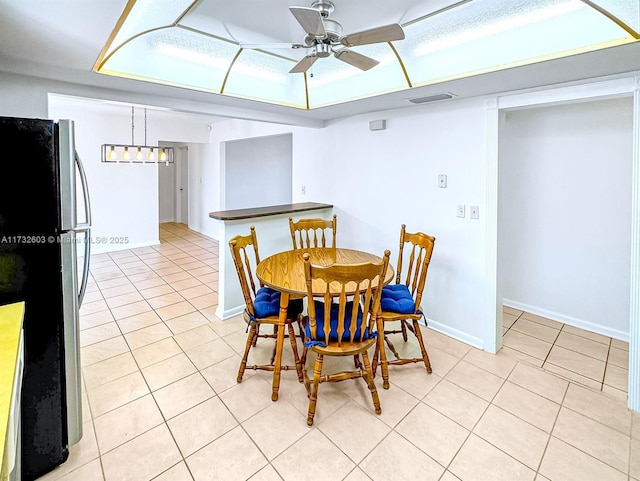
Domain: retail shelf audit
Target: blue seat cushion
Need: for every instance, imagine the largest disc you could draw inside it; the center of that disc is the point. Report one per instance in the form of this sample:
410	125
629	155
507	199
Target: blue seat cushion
397	298
333	333
267	304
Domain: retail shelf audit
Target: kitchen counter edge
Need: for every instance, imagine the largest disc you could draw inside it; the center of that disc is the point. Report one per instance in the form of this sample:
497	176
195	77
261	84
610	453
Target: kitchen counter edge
239	214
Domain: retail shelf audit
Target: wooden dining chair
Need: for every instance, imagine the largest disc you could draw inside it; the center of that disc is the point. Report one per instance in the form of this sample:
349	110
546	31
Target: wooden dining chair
306	233
401	302
262	305
337	326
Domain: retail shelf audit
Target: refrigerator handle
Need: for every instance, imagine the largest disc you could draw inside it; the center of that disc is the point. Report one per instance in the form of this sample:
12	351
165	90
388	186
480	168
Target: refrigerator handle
85	190
86	229
85	268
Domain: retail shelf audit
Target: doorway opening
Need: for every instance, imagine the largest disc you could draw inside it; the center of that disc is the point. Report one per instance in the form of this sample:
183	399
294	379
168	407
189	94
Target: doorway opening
173	187
564	238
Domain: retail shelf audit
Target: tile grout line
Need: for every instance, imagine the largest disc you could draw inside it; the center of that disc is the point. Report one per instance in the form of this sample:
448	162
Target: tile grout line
544	452
150	393
606	362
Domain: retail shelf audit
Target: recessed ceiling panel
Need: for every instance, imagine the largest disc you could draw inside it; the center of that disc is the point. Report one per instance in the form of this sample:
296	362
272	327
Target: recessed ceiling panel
488	35
261	76
145	16
332	81
174	56
626	11
201	44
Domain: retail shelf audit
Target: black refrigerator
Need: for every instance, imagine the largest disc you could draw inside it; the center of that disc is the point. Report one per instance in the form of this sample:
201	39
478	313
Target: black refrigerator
45	239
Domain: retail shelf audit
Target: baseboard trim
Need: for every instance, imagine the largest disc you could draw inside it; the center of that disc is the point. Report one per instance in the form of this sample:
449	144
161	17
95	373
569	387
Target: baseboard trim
226	314
456	334
571	321
105	248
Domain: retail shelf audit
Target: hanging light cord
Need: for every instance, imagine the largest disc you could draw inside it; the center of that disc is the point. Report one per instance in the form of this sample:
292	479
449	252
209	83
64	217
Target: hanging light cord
133	126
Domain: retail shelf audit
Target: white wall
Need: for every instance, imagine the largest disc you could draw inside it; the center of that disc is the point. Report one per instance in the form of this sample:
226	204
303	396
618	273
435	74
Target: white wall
257	171
124	197
23	96
565	210
204	187
375	180
206	169
378	180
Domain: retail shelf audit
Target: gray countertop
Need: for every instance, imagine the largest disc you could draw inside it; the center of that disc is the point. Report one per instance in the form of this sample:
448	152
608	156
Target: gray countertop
239	214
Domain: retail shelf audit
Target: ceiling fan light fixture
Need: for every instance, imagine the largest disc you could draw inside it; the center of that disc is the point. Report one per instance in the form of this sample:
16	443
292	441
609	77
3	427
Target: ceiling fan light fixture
432	98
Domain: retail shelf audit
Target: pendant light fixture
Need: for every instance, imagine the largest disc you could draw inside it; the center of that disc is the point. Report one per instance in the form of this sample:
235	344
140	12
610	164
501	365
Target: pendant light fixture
139	154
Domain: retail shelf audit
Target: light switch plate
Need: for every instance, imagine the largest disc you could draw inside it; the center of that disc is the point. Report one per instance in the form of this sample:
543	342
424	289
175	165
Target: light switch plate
460	210
474	212
442	181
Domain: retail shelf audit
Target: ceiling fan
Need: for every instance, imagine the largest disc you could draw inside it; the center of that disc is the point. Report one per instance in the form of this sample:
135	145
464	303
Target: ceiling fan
324	37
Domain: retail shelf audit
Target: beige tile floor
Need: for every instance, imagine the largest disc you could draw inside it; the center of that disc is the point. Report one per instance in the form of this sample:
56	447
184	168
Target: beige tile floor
161	401
584	357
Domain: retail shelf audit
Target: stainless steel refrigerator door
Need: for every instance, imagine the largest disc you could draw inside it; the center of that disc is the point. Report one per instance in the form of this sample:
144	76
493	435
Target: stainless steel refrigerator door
73	289
71	335
67	155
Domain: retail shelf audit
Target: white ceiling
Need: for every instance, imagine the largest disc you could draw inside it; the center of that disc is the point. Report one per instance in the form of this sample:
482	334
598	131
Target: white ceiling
62	39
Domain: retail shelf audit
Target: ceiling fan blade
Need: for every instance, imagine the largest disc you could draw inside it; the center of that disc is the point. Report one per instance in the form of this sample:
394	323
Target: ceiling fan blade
357	60
258	46
304	64
310	20
385	33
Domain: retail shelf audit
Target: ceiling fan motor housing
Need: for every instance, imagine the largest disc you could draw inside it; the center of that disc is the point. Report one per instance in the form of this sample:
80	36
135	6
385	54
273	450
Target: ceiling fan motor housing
322	50
333	29
324	7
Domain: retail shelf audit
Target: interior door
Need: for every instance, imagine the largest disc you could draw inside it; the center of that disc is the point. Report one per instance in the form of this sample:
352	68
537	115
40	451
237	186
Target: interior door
183	185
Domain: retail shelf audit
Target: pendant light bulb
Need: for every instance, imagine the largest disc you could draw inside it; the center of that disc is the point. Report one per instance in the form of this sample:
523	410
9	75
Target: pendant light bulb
139	154
151	155
162	155
125	154
112	153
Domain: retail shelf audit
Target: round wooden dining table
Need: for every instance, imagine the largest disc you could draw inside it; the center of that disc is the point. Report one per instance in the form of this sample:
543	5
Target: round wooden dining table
284	272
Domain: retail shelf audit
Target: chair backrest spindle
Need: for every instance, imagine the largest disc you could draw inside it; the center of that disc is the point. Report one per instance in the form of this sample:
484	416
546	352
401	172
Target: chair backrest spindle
418	261
353	290
306	233
244	264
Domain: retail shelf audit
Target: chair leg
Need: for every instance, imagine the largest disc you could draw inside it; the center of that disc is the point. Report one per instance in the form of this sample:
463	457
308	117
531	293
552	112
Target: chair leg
368	376
305	377
275	335
313	396
294	348
425	356
255	338
356	362
381	350
374	361
403	326
392	348
253	334
300	327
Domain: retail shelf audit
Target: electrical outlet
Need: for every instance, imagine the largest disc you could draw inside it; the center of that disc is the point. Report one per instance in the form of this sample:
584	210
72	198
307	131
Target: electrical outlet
442	181
303	190
474	212
460	210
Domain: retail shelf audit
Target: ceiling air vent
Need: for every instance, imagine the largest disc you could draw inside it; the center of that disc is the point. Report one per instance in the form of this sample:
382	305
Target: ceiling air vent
432	98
